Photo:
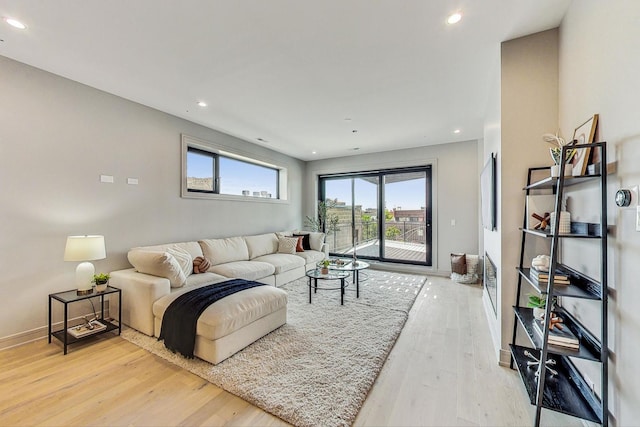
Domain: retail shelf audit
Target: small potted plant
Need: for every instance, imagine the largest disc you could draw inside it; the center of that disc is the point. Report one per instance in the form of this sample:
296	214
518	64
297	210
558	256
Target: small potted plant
556	153
538	303
325	266
102	281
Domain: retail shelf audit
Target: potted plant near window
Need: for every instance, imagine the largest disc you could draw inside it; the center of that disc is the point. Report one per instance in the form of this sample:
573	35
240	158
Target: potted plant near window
102	281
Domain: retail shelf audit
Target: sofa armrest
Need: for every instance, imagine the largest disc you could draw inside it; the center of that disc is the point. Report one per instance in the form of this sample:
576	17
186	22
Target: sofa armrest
139	292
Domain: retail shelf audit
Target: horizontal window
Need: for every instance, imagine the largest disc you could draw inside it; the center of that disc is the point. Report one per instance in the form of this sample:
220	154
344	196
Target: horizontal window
210	172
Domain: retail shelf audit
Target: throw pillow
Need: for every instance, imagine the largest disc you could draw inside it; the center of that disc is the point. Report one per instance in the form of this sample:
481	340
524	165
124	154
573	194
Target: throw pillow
200	265
316	241
459	263
299	247
472	264
158	263
183	257
287	245
306	245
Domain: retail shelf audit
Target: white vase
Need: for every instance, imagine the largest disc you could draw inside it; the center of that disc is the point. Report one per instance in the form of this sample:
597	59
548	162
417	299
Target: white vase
538	313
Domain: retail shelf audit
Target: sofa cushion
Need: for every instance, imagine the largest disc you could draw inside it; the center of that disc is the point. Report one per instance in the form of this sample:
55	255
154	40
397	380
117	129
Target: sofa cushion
282	262
299	247
197	280
221	251
192	247
158	263
262	244
287	245
311	256
249	270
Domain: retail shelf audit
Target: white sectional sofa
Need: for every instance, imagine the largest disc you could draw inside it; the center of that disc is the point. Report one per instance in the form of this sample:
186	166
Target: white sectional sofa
161	273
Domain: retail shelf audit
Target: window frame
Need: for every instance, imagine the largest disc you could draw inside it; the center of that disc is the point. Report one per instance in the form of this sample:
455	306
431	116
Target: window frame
217	151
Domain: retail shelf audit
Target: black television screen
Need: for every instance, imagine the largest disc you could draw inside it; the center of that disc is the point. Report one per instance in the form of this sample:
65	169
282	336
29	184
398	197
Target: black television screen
488	193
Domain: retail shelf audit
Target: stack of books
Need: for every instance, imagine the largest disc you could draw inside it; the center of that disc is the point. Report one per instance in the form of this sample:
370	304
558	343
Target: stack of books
542	277
560	335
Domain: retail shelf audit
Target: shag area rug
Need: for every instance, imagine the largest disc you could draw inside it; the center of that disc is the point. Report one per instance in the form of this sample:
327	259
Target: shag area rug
317	369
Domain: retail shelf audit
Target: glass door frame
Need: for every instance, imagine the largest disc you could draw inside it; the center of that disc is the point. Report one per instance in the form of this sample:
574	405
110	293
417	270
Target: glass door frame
380	174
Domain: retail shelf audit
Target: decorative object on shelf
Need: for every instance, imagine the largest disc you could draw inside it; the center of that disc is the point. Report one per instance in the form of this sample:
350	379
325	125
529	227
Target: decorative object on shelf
544	221
538	303
102	281
584	134
541	262
565	222
536	362
539	204
85	249
556	153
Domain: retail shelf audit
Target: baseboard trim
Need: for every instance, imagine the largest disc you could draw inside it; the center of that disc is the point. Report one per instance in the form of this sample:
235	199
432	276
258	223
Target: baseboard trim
505	358
26	337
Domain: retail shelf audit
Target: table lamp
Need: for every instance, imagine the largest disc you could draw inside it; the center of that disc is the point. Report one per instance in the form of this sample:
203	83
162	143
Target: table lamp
84	248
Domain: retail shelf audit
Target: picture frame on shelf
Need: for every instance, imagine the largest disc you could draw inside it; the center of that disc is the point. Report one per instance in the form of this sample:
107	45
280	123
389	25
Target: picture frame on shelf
583	134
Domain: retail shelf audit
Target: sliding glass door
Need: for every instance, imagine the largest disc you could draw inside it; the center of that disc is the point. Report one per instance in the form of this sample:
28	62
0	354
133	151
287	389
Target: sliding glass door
383	215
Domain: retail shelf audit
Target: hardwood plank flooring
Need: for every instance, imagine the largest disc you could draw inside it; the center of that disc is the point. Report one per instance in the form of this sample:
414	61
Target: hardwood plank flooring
441	372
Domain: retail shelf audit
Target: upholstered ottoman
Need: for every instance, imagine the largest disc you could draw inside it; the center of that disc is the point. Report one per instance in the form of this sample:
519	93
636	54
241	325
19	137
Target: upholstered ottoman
232	323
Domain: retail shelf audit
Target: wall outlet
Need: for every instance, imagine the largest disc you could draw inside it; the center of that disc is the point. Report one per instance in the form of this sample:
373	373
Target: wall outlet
106	178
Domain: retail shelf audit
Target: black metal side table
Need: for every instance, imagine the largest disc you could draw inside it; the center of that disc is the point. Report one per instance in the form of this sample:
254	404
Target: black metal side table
68	297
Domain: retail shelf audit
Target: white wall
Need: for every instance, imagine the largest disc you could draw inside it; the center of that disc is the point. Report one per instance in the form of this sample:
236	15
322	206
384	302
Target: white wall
599	73
56	138
529	108
455	176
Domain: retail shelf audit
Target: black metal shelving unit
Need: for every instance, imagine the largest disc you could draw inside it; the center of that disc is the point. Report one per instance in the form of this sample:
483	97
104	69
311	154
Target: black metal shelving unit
567	391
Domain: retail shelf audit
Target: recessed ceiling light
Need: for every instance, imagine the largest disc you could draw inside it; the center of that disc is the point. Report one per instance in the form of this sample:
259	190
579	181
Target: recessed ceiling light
456	131
15	23
454	18
202	104
347	119
314	152
262	140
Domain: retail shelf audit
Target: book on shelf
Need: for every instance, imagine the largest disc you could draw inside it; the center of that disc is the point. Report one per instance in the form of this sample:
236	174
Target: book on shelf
557	336
543	277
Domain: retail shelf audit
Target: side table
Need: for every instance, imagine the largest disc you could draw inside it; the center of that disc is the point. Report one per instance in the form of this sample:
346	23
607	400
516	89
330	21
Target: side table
68	297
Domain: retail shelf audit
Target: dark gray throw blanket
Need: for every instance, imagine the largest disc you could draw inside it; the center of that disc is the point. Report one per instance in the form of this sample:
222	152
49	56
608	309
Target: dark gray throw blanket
181	317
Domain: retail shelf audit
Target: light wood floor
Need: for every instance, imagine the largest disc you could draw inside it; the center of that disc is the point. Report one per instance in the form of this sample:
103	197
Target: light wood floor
442	371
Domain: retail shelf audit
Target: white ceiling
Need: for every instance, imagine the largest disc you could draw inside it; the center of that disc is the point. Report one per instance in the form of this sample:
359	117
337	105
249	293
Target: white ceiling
287	71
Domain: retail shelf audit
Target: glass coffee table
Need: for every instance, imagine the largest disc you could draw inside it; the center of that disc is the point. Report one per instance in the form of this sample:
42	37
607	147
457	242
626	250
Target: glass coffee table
315	275
349	265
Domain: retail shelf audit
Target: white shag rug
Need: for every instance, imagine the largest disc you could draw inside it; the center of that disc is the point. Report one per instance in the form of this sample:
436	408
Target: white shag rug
317	369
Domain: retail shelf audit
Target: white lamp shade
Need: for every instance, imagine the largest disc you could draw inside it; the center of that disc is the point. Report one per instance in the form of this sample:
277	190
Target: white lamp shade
84	248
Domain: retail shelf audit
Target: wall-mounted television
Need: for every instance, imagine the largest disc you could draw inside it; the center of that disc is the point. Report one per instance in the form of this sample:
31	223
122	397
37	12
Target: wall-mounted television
488	193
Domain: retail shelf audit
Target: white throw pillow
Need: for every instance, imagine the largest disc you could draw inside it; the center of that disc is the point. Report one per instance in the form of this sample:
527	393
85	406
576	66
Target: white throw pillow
184	259
316	240
287	245
156	263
